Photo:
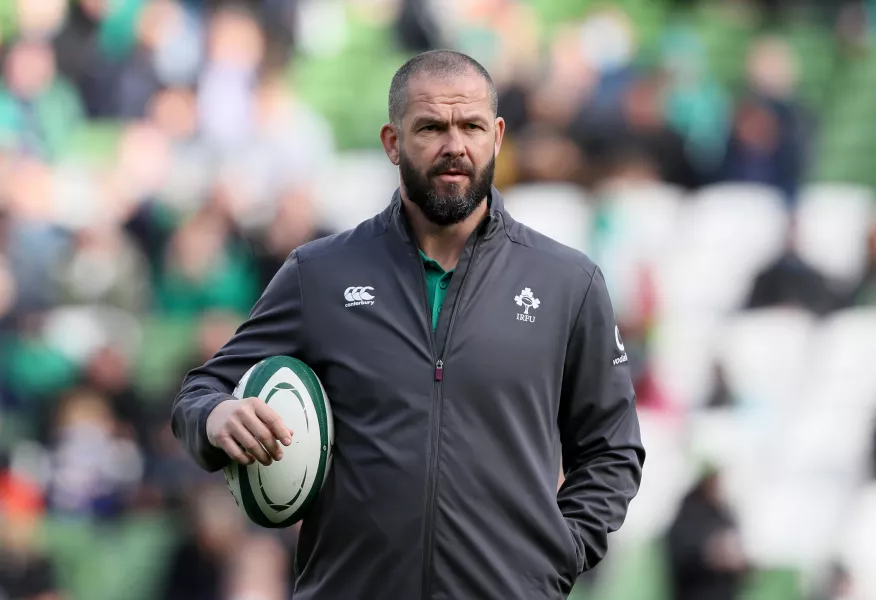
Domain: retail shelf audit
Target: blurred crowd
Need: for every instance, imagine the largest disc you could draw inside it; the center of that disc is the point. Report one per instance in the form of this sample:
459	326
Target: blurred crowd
159	159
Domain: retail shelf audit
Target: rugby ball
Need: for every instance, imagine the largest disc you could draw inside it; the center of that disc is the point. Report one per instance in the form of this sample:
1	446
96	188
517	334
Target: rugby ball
278	495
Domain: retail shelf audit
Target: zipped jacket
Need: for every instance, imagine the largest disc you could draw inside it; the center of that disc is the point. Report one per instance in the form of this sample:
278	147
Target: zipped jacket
448	442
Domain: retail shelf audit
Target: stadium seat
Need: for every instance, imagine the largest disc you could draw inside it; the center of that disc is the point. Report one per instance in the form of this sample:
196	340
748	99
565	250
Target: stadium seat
727	233
856	547
789	522
108	561
824	441
765	354
664	482
559	211
833	223
355	187
634	227
682	356
843	346
731	441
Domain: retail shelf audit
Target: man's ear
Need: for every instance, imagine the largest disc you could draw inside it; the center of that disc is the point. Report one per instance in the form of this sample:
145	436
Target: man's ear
389	137
500	134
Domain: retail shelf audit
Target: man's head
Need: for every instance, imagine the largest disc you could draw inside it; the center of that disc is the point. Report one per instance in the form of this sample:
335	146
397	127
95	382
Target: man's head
444	133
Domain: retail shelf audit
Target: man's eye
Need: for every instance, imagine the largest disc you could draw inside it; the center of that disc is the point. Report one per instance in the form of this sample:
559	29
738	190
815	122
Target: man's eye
472	126
429	128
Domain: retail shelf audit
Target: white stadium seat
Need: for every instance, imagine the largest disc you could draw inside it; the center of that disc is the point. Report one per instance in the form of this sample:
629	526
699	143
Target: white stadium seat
765	354
857	549
830	443
748	222
355	187
844	348
832	225
791	522
682	356
664	482
727	234
559	211
637	228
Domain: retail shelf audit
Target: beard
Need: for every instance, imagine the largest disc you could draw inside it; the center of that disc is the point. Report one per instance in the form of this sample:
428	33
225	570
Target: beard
446	203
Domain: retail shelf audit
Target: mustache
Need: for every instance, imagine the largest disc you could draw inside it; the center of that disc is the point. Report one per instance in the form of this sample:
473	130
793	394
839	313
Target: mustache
452	165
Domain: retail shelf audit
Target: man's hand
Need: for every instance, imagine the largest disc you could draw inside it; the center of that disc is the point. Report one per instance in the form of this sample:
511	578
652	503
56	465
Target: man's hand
248	429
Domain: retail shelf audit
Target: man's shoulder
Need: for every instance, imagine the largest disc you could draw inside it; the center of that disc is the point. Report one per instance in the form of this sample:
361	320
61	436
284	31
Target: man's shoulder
351	240
549	249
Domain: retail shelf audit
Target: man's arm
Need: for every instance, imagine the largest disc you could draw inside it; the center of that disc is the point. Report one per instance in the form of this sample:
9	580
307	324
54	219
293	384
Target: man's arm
273	328
599	429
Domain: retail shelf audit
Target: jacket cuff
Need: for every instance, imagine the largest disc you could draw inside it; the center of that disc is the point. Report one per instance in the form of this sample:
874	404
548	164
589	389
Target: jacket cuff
210	457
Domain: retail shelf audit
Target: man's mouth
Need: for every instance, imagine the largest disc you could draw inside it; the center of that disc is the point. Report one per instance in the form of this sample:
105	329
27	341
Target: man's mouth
453	175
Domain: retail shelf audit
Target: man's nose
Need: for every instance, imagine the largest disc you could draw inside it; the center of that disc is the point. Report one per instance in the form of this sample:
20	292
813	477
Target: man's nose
454	144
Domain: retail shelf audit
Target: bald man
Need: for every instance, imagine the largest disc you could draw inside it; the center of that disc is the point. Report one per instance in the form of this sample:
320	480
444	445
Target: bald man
479	348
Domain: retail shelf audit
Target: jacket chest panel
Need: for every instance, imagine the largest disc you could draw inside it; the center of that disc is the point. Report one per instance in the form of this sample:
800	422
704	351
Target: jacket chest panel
368	338
509	339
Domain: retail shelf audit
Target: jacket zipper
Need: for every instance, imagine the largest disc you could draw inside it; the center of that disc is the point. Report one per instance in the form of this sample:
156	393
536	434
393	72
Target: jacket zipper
435	434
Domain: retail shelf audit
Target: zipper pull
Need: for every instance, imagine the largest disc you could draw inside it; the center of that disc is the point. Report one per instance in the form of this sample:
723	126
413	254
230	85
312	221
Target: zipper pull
439	370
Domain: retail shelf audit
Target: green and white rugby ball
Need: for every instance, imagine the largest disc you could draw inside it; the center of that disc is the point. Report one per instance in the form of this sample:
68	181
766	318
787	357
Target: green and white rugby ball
278	495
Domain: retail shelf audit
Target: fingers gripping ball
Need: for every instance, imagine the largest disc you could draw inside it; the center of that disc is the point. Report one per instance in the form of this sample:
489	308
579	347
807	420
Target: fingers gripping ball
279	494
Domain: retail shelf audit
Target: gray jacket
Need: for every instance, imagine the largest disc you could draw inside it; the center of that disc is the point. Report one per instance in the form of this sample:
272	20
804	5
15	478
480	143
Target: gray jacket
446	453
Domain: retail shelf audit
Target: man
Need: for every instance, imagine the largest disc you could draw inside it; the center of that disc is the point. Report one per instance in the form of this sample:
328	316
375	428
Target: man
706	558
484	346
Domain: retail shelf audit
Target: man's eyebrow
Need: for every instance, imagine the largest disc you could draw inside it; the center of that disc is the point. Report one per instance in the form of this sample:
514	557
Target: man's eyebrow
474	118
436	120
428	119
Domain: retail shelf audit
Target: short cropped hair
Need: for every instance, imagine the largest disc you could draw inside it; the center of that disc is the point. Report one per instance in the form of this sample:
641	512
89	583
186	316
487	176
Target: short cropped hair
437	63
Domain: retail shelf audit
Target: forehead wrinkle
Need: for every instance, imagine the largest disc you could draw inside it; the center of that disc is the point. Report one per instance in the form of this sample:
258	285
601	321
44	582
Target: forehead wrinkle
446	100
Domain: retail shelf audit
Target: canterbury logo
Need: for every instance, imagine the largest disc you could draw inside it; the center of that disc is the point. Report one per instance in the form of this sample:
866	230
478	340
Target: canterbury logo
357	296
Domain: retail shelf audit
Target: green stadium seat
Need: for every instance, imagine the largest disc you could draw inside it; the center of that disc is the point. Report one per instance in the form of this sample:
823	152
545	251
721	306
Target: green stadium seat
108	561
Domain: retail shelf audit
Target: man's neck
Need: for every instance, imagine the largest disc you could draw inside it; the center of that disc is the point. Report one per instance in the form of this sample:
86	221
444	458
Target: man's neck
443	244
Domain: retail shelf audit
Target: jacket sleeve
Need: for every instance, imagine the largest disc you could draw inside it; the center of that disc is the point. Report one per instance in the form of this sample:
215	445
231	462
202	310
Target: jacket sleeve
274	327
599	429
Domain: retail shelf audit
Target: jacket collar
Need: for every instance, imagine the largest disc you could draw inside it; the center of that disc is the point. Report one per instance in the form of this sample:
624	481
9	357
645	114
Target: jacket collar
493	223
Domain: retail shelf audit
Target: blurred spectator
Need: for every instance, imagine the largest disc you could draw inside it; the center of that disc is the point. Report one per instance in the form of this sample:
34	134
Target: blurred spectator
163	54
608	43
769	142
200	566
640	135
288	146
80	56
763	149
502	35
235	49
295	223
31	242
204	269
26	573
38	109
261	569
542	154
705	553
791	281
697	106
214	328
94	469
109	372
190	160
102	266
416	27
839	585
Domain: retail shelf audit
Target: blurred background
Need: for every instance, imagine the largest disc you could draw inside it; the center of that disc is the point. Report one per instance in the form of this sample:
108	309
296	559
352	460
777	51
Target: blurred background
160	158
